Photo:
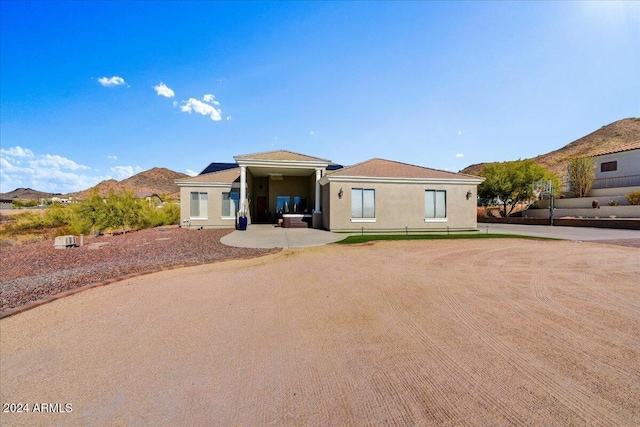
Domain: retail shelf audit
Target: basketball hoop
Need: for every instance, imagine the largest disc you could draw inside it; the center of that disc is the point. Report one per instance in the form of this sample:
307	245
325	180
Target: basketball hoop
542	187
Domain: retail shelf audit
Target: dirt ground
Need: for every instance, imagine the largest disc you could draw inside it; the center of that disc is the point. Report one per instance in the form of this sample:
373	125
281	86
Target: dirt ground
477	332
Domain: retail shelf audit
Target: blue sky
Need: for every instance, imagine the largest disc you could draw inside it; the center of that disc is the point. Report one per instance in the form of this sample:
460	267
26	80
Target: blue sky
98	90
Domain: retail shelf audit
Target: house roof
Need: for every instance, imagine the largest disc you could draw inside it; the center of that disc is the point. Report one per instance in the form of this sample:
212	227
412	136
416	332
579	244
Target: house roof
224	176
634	146
381	168
281	155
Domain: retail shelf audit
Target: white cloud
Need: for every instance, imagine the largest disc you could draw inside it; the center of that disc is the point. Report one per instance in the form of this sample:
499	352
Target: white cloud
459	155
228	118
459	132
123	172
312	133
56	162
191	173
21	167
175	104
203	107
210	99
17	152
110	82
164	90
112	157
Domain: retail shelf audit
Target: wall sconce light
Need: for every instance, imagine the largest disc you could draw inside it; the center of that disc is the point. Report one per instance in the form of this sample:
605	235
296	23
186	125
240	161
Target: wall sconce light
469	194
340	193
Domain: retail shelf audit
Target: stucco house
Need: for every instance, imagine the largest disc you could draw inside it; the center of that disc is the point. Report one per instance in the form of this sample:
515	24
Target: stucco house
618	168
297	190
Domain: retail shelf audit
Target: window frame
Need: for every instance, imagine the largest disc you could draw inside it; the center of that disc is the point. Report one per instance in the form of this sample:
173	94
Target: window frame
223	201
435	217
611	166
202	202
361	197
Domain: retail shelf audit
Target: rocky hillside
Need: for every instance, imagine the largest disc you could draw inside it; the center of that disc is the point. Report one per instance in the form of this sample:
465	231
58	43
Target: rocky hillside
27	194
158	181
617	136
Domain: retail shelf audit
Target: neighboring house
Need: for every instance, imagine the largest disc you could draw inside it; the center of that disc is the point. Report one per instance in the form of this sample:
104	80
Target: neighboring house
618	169
151	197
282	187
6	204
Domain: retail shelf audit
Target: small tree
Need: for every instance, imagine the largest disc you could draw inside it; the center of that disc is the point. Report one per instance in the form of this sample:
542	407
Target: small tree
509	183
582	172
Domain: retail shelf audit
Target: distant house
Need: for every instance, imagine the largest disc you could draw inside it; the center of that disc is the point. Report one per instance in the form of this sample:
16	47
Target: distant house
292	189
6	204
618	169
62	200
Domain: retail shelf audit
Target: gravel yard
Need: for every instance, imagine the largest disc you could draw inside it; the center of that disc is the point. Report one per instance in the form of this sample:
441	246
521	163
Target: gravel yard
37	270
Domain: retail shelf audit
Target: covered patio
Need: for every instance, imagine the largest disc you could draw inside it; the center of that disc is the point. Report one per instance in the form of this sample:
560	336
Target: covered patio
281	188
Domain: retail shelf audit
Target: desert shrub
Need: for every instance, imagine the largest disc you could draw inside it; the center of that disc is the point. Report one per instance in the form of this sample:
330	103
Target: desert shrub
582	172
24	203
613	203
57	216
28	221
633	197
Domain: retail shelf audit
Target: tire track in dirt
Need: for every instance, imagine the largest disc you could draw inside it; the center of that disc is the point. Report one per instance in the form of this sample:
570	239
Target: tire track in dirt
586	406
534	322
541	294
467	377
586	279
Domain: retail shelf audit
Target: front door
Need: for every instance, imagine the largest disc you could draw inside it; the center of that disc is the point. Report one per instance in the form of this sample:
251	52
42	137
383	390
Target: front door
261	209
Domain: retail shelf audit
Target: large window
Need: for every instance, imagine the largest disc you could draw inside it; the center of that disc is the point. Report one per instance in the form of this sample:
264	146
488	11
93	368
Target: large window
363	203
230	204
198	205
435	204
284	205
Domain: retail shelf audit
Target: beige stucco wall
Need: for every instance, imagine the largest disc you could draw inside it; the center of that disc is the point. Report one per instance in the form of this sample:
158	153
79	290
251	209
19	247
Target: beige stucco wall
326	207
214	208
400	205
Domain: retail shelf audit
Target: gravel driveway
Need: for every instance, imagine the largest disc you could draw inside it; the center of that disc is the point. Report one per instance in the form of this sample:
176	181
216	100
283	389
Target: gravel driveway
35	271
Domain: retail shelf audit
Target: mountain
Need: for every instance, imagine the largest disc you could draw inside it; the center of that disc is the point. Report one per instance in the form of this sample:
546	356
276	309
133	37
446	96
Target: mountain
617	136
158	181
27	194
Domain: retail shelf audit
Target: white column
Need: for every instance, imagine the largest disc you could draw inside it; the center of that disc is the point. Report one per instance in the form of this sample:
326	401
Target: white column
318	176
243	189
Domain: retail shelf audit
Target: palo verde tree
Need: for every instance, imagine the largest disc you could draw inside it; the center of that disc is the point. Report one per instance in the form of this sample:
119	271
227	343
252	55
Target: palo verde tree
582	172
510	183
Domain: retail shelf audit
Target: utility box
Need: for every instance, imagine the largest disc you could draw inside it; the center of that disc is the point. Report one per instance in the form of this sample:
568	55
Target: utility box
65	242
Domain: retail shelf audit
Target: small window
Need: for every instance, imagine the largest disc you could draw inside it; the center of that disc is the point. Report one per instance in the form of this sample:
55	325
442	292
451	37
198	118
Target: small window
609	166
435	204
363	203
230	204
198	205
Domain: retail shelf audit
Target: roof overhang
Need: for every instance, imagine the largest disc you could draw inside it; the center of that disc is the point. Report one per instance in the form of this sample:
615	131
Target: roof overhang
390	180
263	167
235	184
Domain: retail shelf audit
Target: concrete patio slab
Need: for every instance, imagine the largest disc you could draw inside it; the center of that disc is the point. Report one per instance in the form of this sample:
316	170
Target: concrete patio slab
268	236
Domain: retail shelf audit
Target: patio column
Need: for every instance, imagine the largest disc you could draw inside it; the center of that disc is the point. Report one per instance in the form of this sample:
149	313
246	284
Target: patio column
243	188
318	208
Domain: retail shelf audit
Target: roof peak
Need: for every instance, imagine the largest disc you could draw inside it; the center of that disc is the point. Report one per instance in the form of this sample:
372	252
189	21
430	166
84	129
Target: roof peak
281	155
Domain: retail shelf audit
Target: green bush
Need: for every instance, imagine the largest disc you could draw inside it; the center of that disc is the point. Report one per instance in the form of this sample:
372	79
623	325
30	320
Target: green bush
28	221
17	204
633	197
120	211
